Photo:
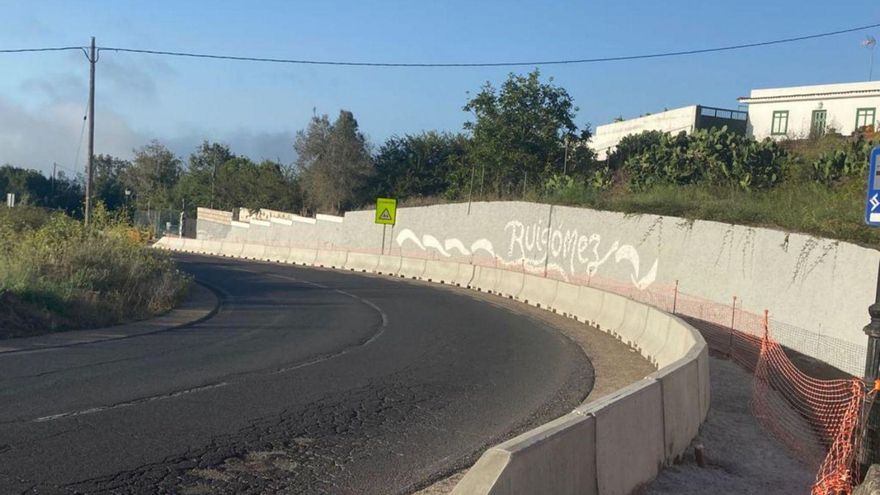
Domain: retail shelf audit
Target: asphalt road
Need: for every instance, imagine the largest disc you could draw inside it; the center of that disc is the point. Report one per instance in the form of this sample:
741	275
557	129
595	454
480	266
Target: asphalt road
305	381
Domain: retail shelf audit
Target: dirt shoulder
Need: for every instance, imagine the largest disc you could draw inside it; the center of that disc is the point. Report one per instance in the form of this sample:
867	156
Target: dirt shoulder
201	303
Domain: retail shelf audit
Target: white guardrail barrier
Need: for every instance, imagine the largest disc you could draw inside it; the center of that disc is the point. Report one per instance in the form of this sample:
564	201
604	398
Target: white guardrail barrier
609	446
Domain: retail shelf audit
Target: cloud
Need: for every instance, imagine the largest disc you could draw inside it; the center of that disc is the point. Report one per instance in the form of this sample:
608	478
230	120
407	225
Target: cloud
55	132
58	88
128	77
257	146
51	133
263	145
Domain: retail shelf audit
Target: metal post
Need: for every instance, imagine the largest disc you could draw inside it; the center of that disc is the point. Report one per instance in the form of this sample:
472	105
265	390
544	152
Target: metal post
766	324
549	239
871	432
90	173
732	323
471	190
383	238
871	70
675	297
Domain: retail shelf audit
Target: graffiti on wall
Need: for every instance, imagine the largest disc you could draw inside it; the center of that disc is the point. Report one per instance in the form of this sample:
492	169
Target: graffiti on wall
536	247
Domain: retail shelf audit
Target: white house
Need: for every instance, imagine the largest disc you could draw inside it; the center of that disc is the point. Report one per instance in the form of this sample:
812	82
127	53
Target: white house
673	121
802	111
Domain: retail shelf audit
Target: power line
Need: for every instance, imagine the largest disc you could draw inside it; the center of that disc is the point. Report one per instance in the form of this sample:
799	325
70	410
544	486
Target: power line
494	64
79	143
454	64
48	49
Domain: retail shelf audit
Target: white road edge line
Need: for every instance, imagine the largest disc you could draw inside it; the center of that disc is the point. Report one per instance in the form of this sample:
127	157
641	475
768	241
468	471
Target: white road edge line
93	410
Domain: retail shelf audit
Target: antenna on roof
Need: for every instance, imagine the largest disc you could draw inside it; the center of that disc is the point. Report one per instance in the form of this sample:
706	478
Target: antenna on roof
870	42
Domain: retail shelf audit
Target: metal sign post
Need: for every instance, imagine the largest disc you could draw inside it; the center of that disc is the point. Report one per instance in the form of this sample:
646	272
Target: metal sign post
870	441
386	214
872	203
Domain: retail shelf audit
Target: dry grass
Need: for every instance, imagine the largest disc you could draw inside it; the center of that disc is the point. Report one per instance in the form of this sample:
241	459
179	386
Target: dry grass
59	275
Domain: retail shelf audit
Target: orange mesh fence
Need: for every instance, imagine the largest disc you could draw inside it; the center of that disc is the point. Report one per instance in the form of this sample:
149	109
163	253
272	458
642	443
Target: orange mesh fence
816	415
818	420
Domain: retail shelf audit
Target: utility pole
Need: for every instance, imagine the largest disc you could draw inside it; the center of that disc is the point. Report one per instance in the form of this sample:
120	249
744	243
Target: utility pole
90	171
54	167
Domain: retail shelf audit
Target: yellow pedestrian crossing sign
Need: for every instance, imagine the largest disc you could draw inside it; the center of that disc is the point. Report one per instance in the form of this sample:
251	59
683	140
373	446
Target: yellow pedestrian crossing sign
386	211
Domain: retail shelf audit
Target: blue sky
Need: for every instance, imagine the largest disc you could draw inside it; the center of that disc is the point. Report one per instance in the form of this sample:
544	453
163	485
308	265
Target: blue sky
257	108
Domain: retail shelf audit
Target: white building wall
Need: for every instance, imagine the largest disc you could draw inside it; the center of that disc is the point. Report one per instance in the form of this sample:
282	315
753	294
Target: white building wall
673	121
801	101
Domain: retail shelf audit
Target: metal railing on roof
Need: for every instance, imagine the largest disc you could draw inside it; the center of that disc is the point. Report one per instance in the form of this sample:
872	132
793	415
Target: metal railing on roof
723	113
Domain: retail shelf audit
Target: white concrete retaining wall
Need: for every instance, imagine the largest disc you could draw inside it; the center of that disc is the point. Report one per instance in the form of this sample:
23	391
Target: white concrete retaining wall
609	446
817	290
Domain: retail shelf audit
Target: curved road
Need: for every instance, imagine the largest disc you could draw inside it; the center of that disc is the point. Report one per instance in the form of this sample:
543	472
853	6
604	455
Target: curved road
305	381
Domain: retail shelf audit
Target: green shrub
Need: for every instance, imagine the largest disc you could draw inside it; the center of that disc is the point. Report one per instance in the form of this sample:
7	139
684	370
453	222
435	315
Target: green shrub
849	160
633	145
65	275
714	157
564	189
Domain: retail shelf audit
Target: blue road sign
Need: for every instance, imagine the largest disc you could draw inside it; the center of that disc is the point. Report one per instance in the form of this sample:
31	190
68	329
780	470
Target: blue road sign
872	205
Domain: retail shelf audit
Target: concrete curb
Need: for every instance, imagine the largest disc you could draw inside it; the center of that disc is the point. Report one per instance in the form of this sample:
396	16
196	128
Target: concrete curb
201	304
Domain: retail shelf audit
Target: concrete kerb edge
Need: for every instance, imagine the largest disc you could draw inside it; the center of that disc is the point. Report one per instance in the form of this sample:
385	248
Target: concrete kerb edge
206	315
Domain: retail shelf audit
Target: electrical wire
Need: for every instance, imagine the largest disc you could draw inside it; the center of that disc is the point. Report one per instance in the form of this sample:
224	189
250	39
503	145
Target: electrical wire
493	64
49	49
79	144
454	64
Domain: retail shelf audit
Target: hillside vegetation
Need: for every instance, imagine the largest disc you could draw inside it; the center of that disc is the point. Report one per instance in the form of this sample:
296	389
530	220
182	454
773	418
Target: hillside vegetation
522	140
812	186
56	274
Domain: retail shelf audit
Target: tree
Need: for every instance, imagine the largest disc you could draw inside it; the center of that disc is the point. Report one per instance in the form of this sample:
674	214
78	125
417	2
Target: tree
152	176
519	131
31	188
241	182
334	163
109	186
417	165
198	185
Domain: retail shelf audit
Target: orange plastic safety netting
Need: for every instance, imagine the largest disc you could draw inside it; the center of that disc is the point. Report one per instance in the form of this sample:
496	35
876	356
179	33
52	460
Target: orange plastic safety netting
818	420
815	411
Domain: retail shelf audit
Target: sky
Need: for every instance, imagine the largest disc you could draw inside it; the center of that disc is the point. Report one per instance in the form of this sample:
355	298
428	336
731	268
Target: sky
257	108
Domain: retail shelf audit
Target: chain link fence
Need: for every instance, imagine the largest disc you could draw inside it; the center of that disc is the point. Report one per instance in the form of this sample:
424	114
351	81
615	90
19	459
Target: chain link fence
164	222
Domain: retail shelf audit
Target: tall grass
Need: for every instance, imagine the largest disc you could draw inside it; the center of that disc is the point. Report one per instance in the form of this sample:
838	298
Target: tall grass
56	274
828	211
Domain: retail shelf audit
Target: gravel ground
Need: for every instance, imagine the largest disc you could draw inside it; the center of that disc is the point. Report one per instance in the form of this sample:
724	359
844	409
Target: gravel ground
742	458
